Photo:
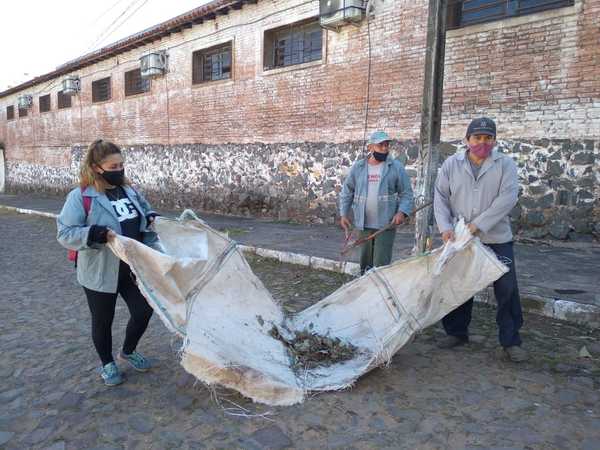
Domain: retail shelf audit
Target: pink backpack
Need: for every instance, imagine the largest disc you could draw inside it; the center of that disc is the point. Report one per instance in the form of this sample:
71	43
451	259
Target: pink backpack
87	204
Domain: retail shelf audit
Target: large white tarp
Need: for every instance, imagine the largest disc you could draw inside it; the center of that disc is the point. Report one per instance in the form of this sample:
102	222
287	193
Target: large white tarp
204	290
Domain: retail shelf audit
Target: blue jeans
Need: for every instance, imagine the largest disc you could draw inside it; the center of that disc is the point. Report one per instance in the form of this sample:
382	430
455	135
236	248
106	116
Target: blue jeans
509	315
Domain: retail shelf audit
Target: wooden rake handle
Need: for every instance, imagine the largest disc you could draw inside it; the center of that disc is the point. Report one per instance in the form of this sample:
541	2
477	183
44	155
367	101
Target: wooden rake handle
389	226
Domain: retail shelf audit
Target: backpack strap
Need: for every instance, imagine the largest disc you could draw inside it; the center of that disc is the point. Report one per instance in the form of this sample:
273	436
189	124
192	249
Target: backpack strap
87	203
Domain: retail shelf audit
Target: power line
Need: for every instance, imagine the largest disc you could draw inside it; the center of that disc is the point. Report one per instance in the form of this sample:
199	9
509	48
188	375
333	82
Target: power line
97	19
52	83
124	21
106	30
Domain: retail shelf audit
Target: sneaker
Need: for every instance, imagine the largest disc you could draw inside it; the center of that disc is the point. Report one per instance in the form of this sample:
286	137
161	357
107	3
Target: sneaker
449	342
135	360
111	375
516	354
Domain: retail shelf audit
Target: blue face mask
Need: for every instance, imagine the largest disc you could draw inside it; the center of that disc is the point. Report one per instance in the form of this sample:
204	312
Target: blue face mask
379	156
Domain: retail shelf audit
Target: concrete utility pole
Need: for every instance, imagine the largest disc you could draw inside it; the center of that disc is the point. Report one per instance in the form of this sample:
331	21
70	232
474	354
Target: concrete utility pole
431	118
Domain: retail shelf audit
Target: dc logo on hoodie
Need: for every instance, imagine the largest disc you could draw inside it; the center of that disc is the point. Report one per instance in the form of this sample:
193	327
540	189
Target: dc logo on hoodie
124	209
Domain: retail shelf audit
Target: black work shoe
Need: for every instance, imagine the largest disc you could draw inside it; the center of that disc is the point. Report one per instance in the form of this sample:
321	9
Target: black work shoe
516	354
451	342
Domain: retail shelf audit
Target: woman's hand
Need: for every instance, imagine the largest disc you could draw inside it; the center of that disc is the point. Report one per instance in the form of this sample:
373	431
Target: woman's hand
110	235
98	234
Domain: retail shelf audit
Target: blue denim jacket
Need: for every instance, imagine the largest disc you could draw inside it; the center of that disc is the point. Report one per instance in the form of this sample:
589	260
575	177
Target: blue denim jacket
395	193
97	265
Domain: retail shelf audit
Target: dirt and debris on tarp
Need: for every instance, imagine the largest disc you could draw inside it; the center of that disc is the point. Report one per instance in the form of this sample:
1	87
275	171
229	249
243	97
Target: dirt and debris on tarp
309	350
203	289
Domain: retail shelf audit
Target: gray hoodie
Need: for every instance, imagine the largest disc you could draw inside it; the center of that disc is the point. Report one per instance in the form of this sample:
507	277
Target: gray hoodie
485	201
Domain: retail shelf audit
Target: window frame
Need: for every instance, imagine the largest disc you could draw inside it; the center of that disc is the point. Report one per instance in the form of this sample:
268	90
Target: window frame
144	86
22	112
512	8
60	105
199	67
11	109
272	35
49	98
95	93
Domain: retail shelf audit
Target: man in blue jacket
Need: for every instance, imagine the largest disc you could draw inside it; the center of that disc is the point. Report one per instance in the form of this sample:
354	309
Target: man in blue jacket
379	192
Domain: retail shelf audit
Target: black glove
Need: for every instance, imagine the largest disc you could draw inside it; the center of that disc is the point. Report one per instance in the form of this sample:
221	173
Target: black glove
97	234
150	218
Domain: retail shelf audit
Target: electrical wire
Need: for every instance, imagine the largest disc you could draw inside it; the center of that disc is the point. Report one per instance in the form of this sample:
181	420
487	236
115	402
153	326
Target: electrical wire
168	112
368	94
51	84
97	19
102	35
123	22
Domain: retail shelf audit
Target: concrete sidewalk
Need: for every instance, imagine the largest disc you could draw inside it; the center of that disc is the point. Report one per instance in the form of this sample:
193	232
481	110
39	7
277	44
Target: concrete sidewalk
559	281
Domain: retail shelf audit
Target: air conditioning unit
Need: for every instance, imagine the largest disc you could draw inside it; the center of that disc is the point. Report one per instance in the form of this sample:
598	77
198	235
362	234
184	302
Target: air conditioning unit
153	64
71	85
25	101
335	13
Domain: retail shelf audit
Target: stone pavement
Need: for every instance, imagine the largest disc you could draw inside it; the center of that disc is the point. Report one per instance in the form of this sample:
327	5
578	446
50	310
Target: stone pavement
559	280
470	398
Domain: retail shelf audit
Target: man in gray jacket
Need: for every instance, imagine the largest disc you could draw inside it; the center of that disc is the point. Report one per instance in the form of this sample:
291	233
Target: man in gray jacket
376	192
481	185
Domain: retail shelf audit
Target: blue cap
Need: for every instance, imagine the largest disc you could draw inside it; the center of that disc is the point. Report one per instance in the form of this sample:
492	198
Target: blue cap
483	125
377	137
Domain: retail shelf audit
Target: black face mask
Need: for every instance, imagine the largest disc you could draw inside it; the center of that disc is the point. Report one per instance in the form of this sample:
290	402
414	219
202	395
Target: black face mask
379	156
114	177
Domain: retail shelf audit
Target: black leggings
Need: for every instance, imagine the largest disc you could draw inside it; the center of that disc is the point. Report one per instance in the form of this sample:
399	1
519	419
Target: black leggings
102	307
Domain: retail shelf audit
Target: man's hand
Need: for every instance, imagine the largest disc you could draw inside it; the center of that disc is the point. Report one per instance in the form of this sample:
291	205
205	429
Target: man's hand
110	235
473	229
398	218
448	236
345	224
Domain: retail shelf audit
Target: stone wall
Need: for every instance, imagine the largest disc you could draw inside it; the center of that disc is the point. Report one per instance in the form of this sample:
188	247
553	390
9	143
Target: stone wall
559	179
560	194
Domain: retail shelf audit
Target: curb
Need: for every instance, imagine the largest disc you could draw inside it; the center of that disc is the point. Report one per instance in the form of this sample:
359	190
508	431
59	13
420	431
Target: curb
314	262
556	308
29	211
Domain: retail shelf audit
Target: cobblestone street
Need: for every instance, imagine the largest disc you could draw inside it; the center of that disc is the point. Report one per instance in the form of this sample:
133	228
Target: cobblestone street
51	396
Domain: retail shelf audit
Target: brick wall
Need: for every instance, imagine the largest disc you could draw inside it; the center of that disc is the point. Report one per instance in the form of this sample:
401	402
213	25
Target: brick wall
538	75
277	143
321	101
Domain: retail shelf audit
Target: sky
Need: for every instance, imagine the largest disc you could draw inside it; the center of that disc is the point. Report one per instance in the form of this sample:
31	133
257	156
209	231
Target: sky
36	36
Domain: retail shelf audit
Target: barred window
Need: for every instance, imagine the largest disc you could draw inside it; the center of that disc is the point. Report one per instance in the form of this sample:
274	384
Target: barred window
101	90
297	43
63	100
135	84
22	112
211	64
44	103
468	12
10	112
